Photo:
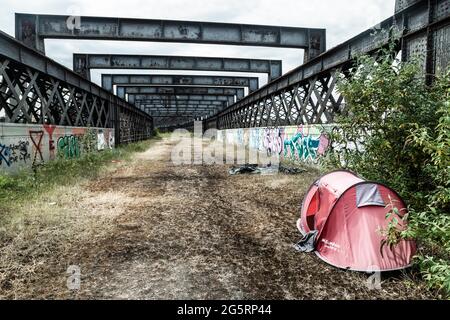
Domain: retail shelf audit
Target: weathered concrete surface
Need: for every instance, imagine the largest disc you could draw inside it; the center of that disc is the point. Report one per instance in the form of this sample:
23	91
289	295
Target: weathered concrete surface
301	144
27	145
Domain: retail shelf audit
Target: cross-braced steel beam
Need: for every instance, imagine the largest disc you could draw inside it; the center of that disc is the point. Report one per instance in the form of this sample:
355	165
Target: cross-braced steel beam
308	94
32	29
37	90
110	80
83	63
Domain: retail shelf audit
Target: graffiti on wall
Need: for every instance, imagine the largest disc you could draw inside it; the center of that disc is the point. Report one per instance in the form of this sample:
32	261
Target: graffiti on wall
240	137
14	153
105	139
304	146
273	141
254	139
36	139
69	147
25	145
111	139
303	143
50	129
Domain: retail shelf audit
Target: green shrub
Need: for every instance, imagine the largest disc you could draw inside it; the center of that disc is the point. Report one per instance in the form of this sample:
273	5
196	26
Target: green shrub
396	130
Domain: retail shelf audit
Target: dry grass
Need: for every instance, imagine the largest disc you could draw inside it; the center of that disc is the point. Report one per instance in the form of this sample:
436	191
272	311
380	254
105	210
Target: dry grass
151	230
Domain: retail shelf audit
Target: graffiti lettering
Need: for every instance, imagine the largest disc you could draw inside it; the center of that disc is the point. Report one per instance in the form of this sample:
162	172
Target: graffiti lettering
14	153
303	143
69	147
4	155
304	147
36	138
273	141
51	143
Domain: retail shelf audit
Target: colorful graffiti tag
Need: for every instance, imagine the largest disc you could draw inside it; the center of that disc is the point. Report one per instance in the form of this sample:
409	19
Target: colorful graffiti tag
69	147
255	141
27	145
305	147
303	143
273	141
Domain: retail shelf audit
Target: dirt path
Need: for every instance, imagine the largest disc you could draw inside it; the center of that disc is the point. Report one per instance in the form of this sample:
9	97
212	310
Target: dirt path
194	232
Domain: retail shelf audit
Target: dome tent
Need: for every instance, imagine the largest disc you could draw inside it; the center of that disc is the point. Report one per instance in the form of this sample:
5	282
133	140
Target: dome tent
341	219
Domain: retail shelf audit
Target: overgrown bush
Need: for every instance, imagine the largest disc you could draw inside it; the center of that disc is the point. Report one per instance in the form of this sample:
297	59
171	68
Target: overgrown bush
396	130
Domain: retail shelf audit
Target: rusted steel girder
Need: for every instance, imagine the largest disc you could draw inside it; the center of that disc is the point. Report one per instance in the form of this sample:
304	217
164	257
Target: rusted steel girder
32	29
123	91
83	63
110	80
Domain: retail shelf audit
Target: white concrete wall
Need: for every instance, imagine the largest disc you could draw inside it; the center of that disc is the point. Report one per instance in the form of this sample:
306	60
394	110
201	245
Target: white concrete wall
297	143
24	145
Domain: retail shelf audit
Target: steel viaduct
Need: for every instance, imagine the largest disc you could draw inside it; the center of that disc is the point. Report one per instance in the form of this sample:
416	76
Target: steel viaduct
37	90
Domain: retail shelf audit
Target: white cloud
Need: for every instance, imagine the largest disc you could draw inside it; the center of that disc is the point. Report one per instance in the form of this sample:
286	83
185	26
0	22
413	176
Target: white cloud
342	19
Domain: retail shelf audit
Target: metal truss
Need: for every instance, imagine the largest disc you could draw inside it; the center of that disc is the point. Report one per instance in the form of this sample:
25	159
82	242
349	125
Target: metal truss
308	94
29	96
311	102
37	90
195	108
172	122
169	108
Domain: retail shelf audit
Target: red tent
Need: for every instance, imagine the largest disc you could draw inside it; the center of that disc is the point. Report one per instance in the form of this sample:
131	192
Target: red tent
341	219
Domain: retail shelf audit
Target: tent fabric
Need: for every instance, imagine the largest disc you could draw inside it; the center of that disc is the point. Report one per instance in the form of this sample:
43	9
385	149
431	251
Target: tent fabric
368	195
345	214
307	243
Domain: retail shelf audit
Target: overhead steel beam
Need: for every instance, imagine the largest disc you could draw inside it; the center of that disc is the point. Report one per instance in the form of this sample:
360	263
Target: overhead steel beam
172	122
403	4
83	63
110	80
123	91
188	110
185	108
32	29
178	112
192	105
132	98
188	103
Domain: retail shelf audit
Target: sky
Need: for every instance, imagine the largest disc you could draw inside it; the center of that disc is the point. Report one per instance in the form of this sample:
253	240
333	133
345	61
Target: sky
343	19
